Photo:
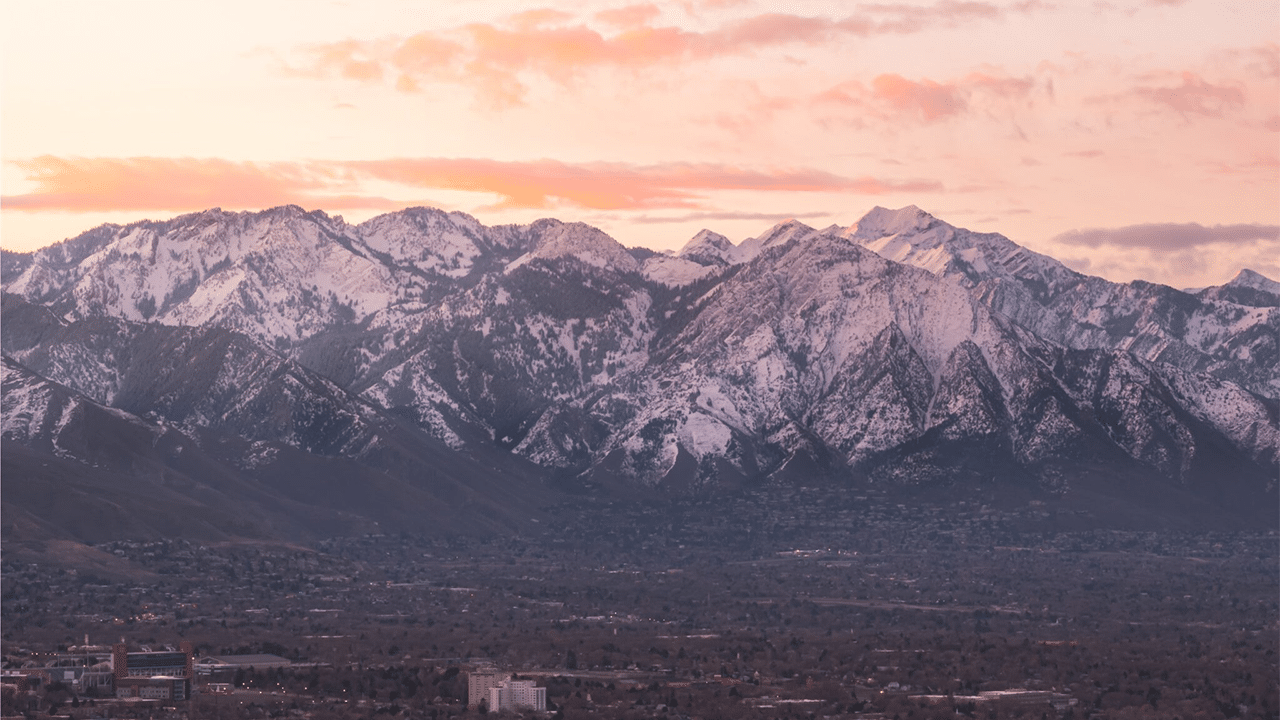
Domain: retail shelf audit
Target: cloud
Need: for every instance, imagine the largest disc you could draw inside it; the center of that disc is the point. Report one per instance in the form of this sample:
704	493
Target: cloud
728	215
630	16
902	18
928	101
538	17
613	186
496	59
1265	167
111	184
77	184
1169	236
1194	96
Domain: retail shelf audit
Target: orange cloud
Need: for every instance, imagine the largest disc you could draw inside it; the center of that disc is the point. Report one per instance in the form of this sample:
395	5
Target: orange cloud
349	59
630	16
492	57
146	183
109	184
538	16
615	186
424	53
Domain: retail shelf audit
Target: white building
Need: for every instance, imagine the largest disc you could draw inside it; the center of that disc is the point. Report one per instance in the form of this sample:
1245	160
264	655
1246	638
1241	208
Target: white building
517	695
480	682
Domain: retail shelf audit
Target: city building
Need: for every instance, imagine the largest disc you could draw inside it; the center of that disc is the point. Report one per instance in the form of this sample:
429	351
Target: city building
517	695
210	664
153	675
481	681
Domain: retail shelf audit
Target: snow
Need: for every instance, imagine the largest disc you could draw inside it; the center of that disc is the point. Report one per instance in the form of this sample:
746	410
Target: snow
1256	280
585	243
771	354
704	435
674	272
883	222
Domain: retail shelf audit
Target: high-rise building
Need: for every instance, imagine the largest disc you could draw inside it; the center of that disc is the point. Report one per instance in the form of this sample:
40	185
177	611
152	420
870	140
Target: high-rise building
481	681
517	695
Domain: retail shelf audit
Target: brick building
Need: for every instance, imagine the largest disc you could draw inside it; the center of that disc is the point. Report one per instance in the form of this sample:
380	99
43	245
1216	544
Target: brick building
153	675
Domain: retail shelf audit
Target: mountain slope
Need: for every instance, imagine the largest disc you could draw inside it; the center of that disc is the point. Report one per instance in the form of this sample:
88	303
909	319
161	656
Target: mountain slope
1208	332
422	367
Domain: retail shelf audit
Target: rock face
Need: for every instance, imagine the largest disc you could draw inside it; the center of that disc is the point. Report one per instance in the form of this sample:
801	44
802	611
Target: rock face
900	350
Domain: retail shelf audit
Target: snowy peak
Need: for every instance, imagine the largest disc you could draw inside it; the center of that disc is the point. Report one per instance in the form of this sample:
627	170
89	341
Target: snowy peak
709	248
780	234
881	222
428	239
1255	280
1248	288
902	347
911	236
579	240
282	273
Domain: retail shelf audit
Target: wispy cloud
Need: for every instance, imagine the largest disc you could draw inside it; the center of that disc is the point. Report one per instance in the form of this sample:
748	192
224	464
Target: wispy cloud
895	97
612	186
77	184
1185	93
1193	95
496	59
630	16
108	184
727	215
1169	236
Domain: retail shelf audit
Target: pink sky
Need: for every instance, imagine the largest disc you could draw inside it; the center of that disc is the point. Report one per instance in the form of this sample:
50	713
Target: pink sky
1128	139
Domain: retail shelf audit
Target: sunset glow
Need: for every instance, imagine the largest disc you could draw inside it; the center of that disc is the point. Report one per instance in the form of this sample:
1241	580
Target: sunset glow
1128	139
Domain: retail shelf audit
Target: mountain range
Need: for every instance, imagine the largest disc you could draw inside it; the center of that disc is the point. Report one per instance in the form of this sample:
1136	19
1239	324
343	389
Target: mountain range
285	374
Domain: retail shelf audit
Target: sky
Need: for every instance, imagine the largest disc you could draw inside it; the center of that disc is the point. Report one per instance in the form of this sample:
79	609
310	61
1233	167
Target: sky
1129	139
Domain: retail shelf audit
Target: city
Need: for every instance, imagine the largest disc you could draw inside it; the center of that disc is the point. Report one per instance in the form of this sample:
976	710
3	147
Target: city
669	611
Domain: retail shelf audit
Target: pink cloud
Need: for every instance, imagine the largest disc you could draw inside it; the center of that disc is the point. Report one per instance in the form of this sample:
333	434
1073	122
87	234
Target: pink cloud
630	16
491	58
1193	96
109	184
727	215
1005	87
925	100
613	186
928	99
904	18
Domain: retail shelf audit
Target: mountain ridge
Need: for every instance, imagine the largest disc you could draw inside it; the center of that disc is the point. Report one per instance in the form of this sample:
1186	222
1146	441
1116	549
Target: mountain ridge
898	350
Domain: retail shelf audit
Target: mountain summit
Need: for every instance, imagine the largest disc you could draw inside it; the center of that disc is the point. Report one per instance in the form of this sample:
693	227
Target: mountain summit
900	351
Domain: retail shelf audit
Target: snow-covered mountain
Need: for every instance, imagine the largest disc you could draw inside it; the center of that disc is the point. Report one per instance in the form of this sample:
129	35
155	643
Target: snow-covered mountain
1211	332
898	350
